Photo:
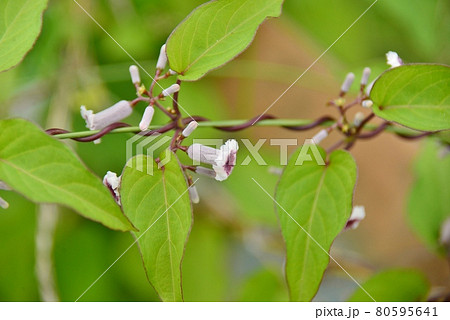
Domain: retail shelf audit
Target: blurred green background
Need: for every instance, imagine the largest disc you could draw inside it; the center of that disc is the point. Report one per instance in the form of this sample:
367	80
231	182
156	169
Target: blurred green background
235	250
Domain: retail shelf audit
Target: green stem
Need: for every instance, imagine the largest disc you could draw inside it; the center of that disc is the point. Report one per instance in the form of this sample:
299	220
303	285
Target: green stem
228	123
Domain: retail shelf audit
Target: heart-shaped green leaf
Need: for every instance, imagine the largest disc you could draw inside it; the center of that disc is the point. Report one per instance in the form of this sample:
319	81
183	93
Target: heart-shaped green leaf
314	203
416	96
429	205
20	25
45	170
157	202
215	33
396	285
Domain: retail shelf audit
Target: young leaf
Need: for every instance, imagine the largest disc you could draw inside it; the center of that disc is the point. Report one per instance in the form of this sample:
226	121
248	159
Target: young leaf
396	285
429	204
20	25
416	96
45	170
215	33
157	202
314	203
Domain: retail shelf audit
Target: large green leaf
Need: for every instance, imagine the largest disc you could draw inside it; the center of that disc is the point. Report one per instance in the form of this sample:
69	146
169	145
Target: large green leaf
396	285
20	25
416	96
429	204
157	202
45	170
314	203
215	33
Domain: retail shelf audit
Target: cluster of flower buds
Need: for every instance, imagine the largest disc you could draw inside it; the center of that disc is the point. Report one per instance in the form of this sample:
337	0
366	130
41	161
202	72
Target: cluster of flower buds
3	203
358	214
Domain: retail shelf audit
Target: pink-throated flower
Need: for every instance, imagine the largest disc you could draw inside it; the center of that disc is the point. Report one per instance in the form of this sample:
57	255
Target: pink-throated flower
222	160
112	182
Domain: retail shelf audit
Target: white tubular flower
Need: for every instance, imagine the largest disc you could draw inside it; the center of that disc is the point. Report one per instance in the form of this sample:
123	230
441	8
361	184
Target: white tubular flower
444	237
358	214
194	194
223	160
146	118
226	160
365	76
134	73
112	182
367	103
204	154
322	134
171	90
189	128
162	59
393	59
104	118
359	117
205	172
347	82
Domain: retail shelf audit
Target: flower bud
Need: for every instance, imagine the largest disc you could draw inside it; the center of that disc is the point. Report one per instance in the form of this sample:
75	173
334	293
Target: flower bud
393	59
367	103
365	76
347	82
190	128
171	90
4	186
369	88
146	118
172	73
134	73
162	59
322	134
194	194
3	203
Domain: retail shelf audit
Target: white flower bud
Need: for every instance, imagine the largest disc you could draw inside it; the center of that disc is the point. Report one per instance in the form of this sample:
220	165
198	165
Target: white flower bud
365	76
205	172
190	128
348	82
171	72
162	59
194	194
146	118
393	59
322	134
359	117
171	90
367	103
358	214
3	203
134	73
104	118
444	237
